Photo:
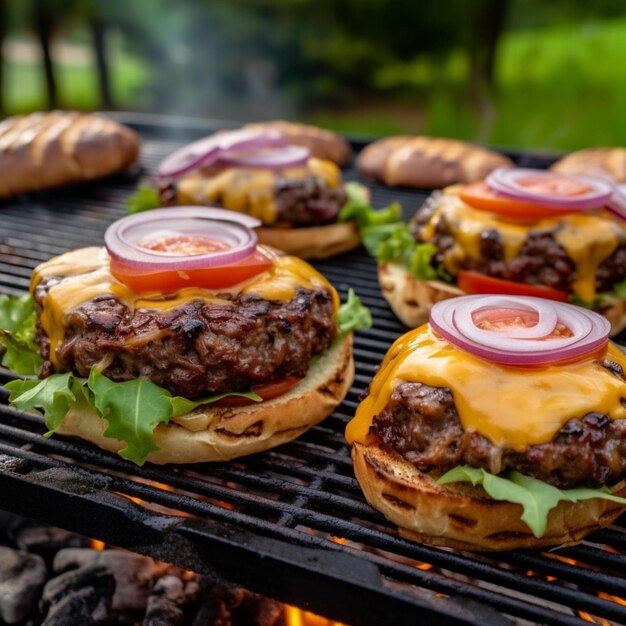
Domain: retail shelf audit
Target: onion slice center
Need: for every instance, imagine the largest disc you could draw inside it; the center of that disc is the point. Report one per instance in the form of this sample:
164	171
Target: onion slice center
549	189
557	331
229	233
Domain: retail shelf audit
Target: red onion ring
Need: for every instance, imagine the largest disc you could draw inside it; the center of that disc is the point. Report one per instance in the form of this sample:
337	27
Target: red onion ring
289	156
617	202
234	229
452	319
206	151
505	182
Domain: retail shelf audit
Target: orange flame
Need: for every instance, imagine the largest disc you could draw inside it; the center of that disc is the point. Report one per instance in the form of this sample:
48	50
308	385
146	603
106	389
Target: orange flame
424	566
616	599
339	540
297	617
592	619
98	545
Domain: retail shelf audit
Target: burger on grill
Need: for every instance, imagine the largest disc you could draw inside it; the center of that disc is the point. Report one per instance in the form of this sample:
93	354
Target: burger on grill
525	232
182	341
499	425
297	197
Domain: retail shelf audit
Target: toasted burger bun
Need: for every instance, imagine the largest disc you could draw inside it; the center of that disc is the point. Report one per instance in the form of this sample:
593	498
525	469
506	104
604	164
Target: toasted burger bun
427	162
411	299
313	242
605	162
464	517
221	433
323	144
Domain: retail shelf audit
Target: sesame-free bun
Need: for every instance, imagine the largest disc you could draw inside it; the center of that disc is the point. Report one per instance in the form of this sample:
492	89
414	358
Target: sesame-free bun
412	299
460	516
45	150
427	162
323	144
312	242
212	433
605	162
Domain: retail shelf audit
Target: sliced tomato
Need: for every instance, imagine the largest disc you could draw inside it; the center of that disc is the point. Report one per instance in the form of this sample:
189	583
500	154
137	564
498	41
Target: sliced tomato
267	391
168	281
474	282
479	196
554	184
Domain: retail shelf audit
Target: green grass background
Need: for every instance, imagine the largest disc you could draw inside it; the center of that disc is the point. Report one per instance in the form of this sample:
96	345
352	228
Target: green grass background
556	88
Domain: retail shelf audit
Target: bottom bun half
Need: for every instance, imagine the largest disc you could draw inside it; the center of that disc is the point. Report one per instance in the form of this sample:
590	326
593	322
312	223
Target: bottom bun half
412	299
312	242
222	433
464	517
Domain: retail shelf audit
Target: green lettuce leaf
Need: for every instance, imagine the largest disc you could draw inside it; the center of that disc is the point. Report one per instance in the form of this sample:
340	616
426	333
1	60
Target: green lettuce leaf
620	289
133	409
51	396
352	315
394	243
536	497
358	208
17	335
181	406
144	199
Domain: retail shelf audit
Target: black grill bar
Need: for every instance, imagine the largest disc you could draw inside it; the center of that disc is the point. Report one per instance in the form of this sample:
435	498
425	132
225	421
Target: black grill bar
289	523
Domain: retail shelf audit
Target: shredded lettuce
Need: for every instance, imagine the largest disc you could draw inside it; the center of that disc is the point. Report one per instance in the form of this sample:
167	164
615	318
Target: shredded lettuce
536	497
352	315
144	199
17	335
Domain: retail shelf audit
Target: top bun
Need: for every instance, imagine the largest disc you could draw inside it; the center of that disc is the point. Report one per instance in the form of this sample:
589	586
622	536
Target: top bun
44	150
323	144
427	162
605	162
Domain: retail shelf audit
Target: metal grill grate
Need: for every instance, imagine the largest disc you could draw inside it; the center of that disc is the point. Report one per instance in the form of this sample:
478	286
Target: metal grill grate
289	523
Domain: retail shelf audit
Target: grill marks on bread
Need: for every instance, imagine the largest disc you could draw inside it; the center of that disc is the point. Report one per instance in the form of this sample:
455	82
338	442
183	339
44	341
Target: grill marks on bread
44	150
427	162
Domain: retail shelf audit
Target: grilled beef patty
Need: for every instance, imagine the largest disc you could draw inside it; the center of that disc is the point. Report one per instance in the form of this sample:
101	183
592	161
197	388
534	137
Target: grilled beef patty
422	424
299	202
308	201
197	348
541	260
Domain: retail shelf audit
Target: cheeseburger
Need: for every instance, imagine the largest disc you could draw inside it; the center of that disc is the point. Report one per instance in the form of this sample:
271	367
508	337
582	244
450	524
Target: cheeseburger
298	198
521	231
500	424
183	341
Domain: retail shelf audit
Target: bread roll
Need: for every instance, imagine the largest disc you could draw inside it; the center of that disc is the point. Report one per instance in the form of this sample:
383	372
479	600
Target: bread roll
604	162
44	150
427	162
323	144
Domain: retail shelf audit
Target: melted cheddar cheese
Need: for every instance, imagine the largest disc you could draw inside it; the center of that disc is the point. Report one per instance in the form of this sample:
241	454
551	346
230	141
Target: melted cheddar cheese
86	275
587	238
251	191
513	407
